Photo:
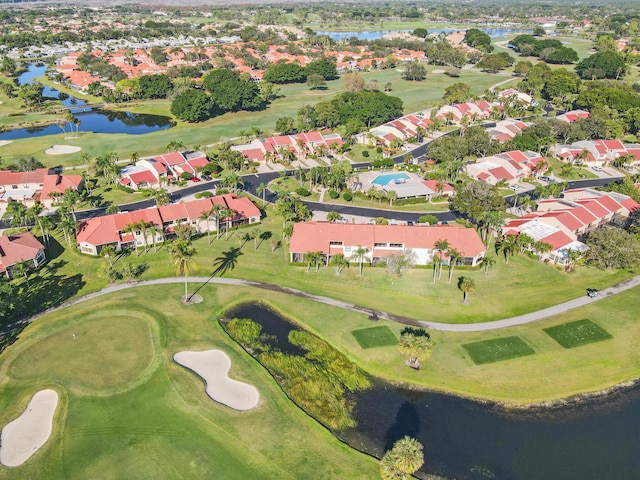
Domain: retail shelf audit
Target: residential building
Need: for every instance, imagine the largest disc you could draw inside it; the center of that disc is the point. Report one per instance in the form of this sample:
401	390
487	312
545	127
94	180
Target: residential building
20	247
509	167
301	144
384	240
120	229
159	170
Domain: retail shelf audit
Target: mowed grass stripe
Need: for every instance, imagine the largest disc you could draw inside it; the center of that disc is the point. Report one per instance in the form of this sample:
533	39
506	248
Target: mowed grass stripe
575	334
373	337
496	350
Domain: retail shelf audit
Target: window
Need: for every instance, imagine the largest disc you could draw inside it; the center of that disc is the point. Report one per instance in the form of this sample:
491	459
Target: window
335	242
379	244
396	245
347	249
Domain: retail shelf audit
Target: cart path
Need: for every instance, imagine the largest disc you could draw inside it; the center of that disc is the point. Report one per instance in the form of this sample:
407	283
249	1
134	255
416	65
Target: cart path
447	327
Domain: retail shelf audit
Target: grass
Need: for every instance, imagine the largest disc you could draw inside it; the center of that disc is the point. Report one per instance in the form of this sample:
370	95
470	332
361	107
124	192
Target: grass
522	286
154	417
575	334
375	337
497	350
415	95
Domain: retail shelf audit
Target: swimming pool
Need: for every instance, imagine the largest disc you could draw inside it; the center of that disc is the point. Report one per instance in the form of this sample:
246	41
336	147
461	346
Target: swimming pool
385	179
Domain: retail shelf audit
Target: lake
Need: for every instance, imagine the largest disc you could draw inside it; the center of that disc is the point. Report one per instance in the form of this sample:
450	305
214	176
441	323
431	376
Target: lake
464	439
91	120
376	34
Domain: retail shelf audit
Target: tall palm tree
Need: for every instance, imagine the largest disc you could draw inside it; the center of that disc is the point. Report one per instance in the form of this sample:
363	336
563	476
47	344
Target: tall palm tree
132	228
143	226
453	255
206	215
260	190
487	262
508	246
68	226
154	230
215	212
182	253
360	255
440	247
227	214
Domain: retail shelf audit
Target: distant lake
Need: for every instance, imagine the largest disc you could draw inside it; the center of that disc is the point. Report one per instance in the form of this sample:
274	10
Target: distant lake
376	34
91	120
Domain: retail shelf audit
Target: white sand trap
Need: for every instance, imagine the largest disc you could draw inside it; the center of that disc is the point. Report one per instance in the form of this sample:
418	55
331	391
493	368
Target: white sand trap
26	434
61	149
213	366
5	142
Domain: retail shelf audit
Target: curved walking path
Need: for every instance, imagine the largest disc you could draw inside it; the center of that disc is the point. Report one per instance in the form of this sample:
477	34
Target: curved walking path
447	327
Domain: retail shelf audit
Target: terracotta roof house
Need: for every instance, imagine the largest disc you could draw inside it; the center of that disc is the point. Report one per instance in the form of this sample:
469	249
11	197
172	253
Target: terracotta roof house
22	187
592	152
300	143
55	185
572	115
97	232
508	166
383	241
20	247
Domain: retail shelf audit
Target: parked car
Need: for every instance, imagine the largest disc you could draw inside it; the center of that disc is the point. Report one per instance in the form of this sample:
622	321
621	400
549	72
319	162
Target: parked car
597	168
207	177
194	179
592	292
515	188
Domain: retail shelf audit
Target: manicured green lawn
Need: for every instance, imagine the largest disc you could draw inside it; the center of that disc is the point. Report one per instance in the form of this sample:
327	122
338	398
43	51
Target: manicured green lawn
143	413
575	334
375	337
497	350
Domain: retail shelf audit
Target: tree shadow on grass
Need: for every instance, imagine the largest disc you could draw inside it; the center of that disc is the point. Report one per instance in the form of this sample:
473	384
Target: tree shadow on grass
224	263
46	290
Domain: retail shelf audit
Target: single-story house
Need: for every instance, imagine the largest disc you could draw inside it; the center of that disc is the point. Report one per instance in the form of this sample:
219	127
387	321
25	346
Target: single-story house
20	247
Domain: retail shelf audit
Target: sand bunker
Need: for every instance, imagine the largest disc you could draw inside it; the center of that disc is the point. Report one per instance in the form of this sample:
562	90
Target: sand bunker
26	434
61	149
5	142
213	366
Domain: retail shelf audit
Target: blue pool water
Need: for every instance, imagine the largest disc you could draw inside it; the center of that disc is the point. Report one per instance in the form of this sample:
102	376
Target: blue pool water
385	179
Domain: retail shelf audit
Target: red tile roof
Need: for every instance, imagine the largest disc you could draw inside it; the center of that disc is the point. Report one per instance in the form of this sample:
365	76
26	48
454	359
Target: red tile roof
59	183
315	236
7	177
17	248
558	239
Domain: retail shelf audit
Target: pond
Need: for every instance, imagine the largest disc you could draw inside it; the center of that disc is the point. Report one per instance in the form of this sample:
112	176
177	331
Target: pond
92	120
464	439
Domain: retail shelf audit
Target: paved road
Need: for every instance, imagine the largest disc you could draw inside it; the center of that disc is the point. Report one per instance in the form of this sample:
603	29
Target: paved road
447	327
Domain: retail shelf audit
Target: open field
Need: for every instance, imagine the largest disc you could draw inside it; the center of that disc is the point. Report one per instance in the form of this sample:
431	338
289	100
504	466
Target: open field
375	337
575	334
153	417
489	351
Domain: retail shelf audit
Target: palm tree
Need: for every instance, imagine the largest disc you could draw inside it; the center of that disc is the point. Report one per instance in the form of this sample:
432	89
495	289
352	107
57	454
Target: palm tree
339	262
508	246
255	236
333	216
206	215
68	226
228	215
161	196
154	230
260	190
215	211
454	255
360	255
182	253
132	228
232	180
391	195
487	262
404	459
467	285
21	269
77	122
17	212
71	198
440	247
108	252
46	225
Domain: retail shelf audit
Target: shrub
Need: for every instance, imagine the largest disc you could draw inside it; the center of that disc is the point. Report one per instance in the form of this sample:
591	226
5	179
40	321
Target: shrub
222	191
333	194
347	196
303	192
378	149
365	154
430	219
205	194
